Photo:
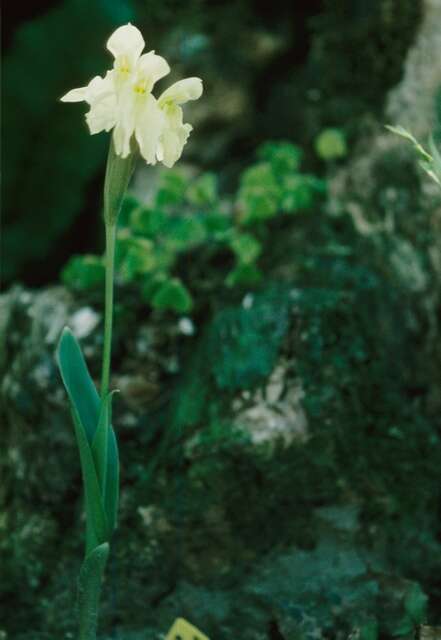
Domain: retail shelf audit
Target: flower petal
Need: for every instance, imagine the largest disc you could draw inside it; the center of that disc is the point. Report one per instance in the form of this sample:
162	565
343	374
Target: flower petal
174	136
182	91
126	41
149	127
102	114
152	67
75	95
173	142
99	87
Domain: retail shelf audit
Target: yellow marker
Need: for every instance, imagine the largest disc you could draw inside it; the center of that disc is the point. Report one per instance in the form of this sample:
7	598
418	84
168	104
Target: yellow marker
183	630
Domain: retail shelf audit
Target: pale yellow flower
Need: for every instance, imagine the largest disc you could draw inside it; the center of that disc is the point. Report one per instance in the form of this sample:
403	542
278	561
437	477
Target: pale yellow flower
122	100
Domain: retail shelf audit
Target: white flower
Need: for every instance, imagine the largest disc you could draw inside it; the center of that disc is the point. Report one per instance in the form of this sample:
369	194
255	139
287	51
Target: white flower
123	101
175	133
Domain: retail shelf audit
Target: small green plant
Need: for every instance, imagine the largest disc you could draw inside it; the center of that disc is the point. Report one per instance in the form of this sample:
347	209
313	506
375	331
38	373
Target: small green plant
430	161
188	214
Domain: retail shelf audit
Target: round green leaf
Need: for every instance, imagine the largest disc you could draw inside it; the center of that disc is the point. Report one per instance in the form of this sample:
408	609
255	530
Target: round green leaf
173	295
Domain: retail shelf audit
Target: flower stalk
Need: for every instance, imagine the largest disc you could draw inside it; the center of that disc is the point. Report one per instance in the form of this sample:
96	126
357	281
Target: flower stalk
118	173
108	308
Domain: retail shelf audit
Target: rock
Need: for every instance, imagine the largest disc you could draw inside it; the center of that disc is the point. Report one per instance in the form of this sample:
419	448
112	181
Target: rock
412	103
274	414
229	516
84	321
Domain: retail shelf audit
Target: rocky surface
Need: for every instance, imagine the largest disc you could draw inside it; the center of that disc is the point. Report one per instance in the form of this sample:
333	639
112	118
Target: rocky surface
225	531
412	103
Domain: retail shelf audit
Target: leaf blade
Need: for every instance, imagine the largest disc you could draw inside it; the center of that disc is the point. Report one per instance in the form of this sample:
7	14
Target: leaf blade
78	383
97	526
105	454
111	497
100	442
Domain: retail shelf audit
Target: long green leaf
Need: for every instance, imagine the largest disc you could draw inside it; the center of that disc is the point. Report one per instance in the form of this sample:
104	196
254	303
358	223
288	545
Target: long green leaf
100	444
105	454
79	385
98	530
436	162
112	481
89	589
85	400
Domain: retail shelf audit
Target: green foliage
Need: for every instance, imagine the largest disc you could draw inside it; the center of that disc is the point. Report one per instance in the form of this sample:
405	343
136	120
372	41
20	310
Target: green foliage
171	191
331	144
259	194
283	157
84	272
96	442
203	192
139	256
246	248
188	215
275	185
430	162
173	295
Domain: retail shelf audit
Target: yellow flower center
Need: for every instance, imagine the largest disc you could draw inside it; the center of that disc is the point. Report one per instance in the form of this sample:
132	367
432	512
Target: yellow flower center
140	87
123	65
143	85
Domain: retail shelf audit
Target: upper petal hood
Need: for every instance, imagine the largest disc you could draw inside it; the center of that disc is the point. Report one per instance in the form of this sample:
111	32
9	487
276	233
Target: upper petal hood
152	67
182	91
126	41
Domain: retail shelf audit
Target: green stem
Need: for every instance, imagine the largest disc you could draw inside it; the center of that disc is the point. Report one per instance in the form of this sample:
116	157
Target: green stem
89	590
118	173
108	311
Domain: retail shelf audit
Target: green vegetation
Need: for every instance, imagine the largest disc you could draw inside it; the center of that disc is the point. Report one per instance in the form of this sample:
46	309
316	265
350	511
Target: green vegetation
188	216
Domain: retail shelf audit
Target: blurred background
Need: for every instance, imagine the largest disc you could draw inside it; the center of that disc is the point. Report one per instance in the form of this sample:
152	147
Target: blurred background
277	329
270	71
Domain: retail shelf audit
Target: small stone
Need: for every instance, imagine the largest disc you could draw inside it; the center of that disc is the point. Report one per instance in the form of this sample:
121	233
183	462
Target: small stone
271	418
186	327
248	301
84	321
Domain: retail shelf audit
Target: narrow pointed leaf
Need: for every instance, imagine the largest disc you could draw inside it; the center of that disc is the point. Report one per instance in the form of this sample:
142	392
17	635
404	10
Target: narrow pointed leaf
95	514
79	385
436	159
100	442
86	402
401	131
105	453
89	589
112	481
